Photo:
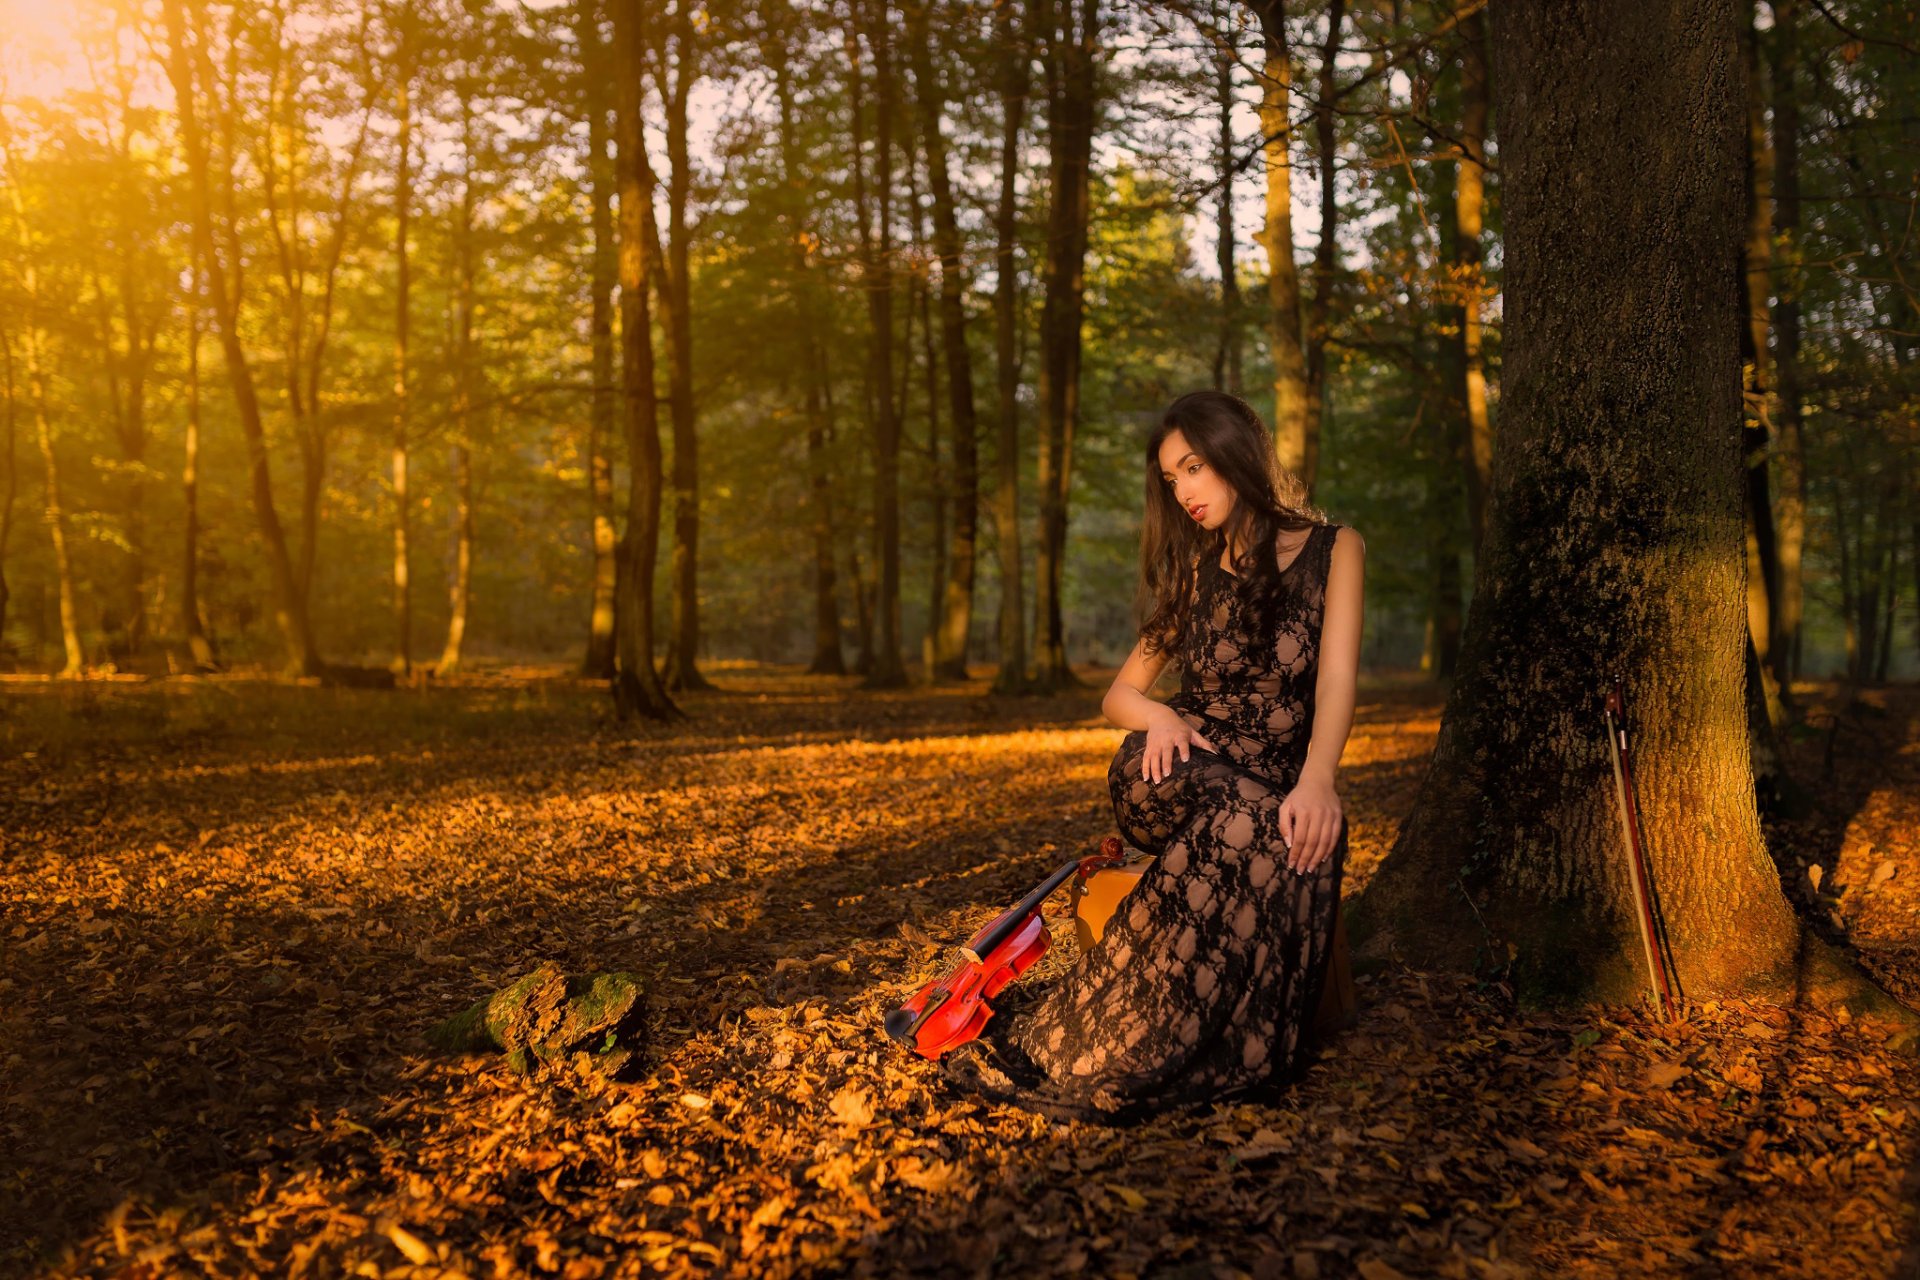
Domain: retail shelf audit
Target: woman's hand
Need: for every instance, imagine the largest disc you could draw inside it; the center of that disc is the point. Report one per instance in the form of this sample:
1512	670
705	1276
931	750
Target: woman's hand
1167	734
1310	821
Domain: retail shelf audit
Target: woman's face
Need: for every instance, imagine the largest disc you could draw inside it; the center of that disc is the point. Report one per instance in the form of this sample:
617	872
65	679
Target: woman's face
1202	494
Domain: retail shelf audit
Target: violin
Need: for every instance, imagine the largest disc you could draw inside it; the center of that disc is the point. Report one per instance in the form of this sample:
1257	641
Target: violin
948	1012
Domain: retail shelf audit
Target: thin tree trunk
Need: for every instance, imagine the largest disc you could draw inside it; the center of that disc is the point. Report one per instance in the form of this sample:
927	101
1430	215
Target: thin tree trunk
682	671
636	686
598	663
290	607
12	490
460	590
1291	408
1070	31
963	487
1469	216
1763	562
1615	543
1226	355
1790	509
1012	76
402	504
1320	308
876	250
192	630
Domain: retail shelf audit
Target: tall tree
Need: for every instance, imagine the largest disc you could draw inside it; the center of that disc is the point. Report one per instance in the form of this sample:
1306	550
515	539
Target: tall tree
13	481
876	280
677	66
636	686
404	39
1012	76
1615	540
1292	414
1227	355
1469	221
193	630
460	583
1790	510
1069	39
956	611
1326	251
598	662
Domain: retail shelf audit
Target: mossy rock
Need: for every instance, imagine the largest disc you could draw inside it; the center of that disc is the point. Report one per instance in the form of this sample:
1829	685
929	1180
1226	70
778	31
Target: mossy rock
593	1025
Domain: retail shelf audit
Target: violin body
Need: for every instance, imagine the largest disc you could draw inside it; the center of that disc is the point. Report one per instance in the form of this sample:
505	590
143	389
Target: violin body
948	1012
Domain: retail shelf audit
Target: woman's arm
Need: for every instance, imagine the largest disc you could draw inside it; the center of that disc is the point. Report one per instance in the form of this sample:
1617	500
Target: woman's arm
1127	703
1311	815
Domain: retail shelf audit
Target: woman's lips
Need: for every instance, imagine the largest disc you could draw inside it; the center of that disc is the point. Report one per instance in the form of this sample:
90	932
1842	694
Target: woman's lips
1199	512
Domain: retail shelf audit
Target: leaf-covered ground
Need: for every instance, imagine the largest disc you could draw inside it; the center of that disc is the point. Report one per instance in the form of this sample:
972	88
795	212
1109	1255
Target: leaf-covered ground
229	910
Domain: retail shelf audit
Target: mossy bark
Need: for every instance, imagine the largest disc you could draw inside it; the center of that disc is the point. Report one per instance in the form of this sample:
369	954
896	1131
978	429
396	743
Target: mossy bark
593	1025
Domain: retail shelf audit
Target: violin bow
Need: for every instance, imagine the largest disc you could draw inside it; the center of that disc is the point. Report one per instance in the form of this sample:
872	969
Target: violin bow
1616	715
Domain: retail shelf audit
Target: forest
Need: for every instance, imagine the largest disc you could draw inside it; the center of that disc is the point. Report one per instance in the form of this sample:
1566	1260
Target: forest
558	557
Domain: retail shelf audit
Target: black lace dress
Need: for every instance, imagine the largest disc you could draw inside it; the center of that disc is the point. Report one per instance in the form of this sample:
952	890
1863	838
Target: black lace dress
1205	983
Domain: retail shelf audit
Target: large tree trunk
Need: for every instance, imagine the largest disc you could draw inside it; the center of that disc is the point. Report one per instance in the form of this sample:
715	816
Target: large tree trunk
193	630
1012	78
289	605
402	505
956	612
1614	544
683	645
1069	32
1790	510
460	588
636	685
1291	411
1320	308
1469	258
598	663
876	257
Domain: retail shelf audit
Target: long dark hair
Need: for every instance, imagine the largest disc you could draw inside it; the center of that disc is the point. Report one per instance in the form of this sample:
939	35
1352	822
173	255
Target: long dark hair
1268	499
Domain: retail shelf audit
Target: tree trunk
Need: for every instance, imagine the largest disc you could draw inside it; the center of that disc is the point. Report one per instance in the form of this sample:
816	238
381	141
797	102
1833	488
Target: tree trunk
12	491
598	663
1790	509
290	607
636	686
460	590
876	258
683	646
402	505
1614	545
1469	217
956	612
1069	31
1226	356
193	631
1291	415
56	514
1321	306
1013	81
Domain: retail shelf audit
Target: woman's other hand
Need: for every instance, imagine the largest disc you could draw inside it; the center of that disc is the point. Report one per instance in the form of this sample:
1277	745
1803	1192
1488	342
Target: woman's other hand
1168	735
1310	820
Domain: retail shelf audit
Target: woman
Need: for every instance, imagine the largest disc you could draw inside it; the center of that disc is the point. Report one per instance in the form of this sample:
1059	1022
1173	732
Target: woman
1205	982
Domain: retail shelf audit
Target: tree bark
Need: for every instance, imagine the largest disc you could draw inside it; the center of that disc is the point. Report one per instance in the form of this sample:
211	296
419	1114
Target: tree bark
1320	307
1790	510
1469	218
682	671
876	257
460	588
1012	74
193	630
1614	544
1291	414
1069	31
636	687
1227	355
598	662
402	206
290	606
956	613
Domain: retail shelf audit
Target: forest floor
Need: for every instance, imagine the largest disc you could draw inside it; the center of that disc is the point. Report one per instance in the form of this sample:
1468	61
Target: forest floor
230	909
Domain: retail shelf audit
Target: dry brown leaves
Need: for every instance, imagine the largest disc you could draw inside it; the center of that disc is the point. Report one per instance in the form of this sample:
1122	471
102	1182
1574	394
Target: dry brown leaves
230	910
